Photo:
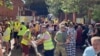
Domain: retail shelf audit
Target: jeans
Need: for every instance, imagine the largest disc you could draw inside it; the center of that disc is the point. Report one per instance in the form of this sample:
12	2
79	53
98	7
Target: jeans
49	52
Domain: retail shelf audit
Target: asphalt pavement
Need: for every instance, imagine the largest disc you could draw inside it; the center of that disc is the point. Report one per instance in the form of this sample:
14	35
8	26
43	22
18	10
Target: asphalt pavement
17	51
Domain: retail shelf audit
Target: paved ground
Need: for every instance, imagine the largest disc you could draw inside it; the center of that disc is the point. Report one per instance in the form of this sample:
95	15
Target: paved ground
79	52
17	52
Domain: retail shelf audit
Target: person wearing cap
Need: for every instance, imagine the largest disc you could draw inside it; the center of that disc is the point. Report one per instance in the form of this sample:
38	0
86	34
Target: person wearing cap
26	40
93	50
60	39
47	42
6	37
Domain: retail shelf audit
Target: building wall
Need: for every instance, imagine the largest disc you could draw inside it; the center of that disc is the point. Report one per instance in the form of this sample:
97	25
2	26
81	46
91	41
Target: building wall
5	12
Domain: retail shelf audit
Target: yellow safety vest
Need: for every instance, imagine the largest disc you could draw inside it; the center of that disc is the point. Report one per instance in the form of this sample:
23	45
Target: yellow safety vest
24	41
7	34
48	44
16	26
11	25
22	31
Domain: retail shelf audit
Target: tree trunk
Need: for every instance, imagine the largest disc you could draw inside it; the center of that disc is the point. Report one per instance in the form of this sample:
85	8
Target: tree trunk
60	17
66	17
74	17
89	16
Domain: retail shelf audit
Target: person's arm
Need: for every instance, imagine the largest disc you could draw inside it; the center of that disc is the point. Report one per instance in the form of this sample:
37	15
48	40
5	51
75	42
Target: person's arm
68	37
41	40
55	38
95	32
0	38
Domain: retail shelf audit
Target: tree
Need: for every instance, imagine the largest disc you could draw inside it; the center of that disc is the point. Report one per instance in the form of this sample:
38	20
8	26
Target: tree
87	7
70	6
82	7
1	2
9	4
53	6
67	6
96	13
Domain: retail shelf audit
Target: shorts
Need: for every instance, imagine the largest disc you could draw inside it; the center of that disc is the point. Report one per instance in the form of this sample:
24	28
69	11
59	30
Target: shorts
15	35
25	49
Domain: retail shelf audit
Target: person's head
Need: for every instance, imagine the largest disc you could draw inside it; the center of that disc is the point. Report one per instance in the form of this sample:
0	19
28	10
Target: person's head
63	28
31	28
37	22
97	27
90	26
7	24
43	28
71	24
22	23
96	43
79	27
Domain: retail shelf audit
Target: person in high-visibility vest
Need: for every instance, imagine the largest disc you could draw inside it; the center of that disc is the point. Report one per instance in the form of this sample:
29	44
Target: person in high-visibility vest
47	42
6	37
11	23
26	40
21	32
16	30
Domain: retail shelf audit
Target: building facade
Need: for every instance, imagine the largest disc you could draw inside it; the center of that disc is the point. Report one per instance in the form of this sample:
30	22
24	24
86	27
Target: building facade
8	13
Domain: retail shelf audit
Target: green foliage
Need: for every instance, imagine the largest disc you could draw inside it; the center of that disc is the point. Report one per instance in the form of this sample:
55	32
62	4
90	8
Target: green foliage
9	4
96	13
28	1
69	6
54	6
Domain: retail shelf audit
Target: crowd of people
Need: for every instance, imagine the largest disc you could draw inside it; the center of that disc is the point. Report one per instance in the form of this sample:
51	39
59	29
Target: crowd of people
56	38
